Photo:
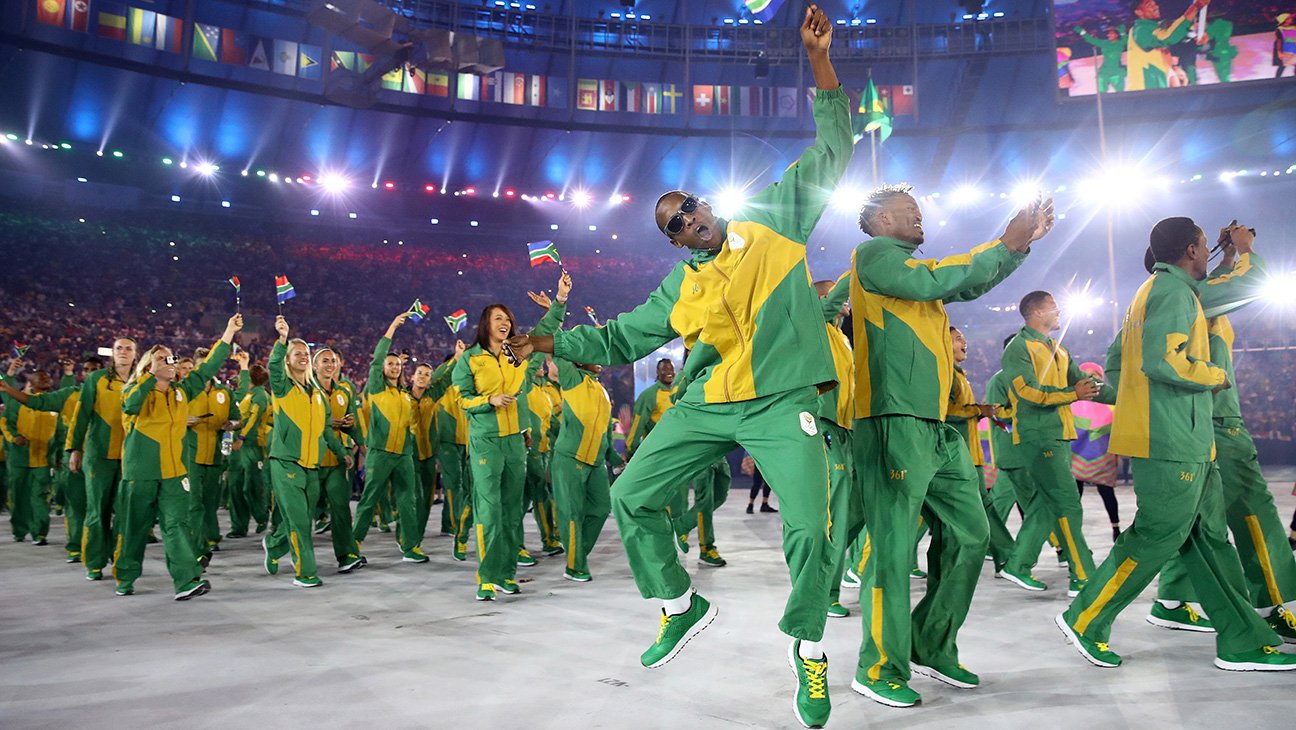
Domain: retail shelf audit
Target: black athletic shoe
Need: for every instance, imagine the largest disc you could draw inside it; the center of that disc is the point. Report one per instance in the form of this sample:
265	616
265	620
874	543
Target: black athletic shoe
766	508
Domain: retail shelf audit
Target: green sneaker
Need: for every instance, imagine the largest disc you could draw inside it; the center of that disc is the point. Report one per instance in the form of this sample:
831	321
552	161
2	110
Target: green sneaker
414	555
1181	618
524	559
578	576
73	558
811	704
309	581
677	630
350	563
486	592
93	574
509	587
1027	581
1075	586
270	564
917	573
1096	653
1283	622
384	527
322	526
1264	659
836	610
709	556
194	588
956	676
681	544
850	579
553	549
892	693
125	589
460	551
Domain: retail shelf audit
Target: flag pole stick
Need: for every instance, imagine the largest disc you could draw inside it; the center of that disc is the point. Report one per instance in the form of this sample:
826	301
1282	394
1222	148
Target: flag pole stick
873	149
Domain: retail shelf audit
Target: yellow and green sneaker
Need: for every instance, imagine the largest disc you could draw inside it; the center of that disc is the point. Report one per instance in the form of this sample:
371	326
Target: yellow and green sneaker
677	630
811	704
524	559
836	610
414	555
1180	618
1283	622
955	676
460	551
1096	653
709	556
486	592
509	587
889	692
1264	659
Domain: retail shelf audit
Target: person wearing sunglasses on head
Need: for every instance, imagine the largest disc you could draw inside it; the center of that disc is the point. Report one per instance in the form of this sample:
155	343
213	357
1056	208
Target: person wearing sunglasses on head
744	305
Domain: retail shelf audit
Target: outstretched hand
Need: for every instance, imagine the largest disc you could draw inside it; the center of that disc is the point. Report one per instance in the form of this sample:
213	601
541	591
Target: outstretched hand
541	299
521	346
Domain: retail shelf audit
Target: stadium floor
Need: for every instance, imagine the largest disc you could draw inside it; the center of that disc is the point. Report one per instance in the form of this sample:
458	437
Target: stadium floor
405	646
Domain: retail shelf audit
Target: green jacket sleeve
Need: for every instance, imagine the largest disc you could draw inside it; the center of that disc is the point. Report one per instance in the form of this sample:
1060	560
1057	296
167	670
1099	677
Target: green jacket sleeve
279	381
133	399
793	206
1020	372
334	444
1228	290
244	385
9	424
234	413
629	337
832	303
194	382
641	420
376	382
52	401
888	270
441	379
89	392
610	454
1149	34
1112	366
469	399
569	376
1165	340
256	407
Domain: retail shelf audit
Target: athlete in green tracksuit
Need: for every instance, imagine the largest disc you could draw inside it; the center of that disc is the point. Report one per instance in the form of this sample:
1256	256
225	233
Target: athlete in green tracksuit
427	386
334	473
911	462
742	303
452	459
1161	422
1148	64
1258	531
1111	74
95	449
651	405
389	449
544	401
490	388
29	427
1221	51
249	500
212	412
301	434
154	484
710	490
580	475
74	501
1044	382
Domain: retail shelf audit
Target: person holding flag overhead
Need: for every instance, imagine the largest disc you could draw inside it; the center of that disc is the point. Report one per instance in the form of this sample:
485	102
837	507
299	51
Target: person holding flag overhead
283	290
238	292
744	390
490	384
417	311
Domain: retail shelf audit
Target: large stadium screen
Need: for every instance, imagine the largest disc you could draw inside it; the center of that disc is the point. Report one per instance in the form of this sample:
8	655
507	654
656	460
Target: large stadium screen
1119	46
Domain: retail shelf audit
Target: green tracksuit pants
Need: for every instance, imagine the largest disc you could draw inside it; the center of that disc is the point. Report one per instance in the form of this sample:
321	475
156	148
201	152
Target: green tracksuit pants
99	531
1258	531
296	492
74	498
1003	495
4	485
425	483
846	505
247	489
383	468
335	483
1001	540
911	467
1055	506
204	498
583	499
31	493
498	480
710	490
457	481
540	495
1177	514
168	503
782	435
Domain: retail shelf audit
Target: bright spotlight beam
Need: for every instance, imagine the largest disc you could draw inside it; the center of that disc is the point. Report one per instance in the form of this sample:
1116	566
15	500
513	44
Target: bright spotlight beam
333	183
729	201
581	198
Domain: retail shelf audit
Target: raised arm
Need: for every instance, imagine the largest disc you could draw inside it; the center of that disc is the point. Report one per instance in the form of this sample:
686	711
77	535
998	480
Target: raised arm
836	297
194	382
133	399
887	270
280	384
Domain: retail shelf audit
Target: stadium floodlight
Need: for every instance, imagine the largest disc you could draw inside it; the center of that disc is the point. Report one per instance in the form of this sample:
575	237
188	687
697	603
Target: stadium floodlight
848	199
729	201
964	195
206	168
1026	192
333	183
1279	289
581	198
553	226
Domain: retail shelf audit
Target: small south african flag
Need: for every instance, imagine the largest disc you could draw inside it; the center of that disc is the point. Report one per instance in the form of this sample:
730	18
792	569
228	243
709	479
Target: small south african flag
542	251
20	350
457	320
283	290
234	282
593	317
417	311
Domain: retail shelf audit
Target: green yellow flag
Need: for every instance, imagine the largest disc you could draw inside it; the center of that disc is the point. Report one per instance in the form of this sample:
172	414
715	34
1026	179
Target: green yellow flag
873	115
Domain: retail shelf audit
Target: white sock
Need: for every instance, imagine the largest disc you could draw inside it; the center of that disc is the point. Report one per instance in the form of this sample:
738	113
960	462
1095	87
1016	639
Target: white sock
810	649
1169	604
676	606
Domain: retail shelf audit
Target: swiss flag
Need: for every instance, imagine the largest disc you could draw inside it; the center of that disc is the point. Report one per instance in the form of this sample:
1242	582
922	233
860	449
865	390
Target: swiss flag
703	99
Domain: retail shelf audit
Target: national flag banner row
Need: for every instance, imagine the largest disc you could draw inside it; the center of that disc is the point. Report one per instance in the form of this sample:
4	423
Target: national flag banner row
504	87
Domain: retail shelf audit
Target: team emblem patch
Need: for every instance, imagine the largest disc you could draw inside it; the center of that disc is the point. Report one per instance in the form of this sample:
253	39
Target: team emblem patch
341	399
808	424
184	482
220	397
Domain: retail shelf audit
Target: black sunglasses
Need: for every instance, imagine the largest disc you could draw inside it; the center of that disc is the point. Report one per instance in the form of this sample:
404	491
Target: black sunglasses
675	225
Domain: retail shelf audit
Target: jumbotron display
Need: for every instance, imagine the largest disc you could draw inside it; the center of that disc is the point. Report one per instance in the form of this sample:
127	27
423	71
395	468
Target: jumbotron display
1116	46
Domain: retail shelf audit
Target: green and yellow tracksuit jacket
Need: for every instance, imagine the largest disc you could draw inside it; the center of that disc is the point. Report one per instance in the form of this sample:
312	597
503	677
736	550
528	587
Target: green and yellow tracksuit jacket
389	409
479	374
452	422
67	416
341	403
217	401
426	409
587	413
1163	398
302	432
1042	377
838	404
38	422
648	409
746	306
1147	65
1002	451
543	407
97	431
254	407
964	415
904	356
1224	291
157	420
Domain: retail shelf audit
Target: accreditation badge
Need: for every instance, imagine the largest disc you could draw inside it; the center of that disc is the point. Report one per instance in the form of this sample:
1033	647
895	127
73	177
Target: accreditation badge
808	424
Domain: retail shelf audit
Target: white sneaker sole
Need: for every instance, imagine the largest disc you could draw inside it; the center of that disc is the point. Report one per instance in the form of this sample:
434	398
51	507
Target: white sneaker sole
406	559
352	566
197	590
575	579
1252	666
300	584
861	688
838	615
929	672
1177	626
694	630
1019	582
1072	593
1071	638
796	709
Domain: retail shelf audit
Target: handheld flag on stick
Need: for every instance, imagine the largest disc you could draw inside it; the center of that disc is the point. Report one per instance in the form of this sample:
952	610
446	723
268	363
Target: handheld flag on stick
457	320
417	311
542	251
238	292
20	350
593	317
283	290
873	114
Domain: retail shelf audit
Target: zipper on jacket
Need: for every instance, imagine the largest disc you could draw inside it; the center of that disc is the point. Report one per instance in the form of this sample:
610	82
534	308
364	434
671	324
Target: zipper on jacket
742	344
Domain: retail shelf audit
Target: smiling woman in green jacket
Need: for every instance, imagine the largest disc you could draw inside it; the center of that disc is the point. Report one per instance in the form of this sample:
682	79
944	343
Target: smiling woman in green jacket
154	481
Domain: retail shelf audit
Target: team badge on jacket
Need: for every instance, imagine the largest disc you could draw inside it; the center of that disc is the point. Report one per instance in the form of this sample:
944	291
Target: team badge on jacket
808	424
